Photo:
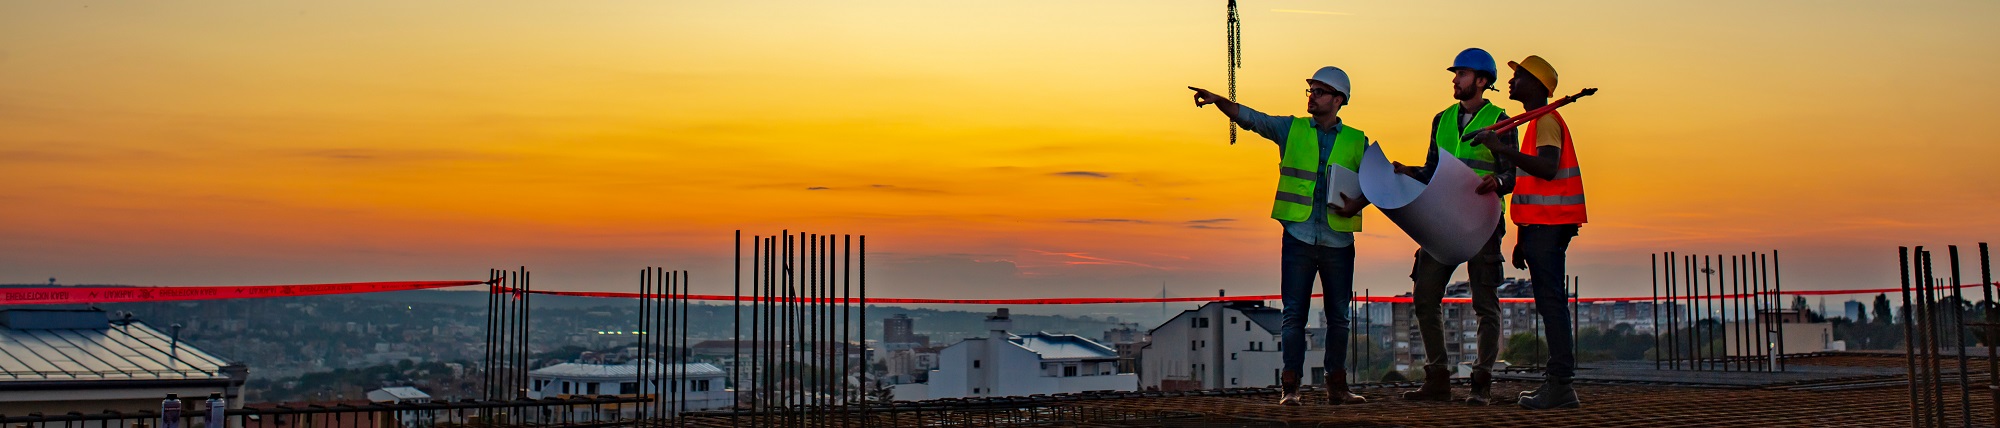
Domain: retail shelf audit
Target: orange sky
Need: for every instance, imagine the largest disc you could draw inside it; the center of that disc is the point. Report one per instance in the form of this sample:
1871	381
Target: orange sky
990	149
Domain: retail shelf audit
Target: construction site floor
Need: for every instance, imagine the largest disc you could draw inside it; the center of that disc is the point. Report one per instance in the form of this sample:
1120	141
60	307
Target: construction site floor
1844	390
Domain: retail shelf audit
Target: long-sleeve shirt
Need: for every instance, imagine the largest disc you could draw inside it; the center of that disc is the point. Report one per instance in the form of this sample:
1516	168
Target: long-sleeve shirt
1314	230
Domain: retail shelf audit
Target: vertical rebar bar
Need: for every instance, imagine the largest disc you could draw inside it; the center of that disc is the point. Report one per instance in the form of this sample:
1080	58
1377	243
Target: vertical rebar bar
847	323
1734	306
863	277
1687	279
687	330
1778	287
735	325
1766	345
671	313
1709	311
1909	336
1958	330
1935	395
486	379
645	329
1653	265
756	318
1667	264
527	335
1988	314
771	319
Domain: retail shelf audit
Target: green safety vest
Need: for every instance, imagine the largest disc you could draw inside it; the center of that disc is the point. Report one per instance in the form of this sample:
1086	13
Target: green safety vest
1448	133
1298	173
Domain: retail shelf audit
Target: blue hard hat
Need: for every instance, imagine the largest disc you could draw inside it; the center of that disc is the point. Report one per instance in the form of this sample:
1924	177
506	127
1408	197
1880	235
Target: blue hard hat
1476	59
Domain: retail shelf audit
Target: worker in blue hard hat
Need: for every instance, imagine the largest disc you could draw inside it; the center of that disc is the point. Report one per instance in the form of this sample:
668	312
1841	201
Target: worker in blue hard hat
1319	206
1473	73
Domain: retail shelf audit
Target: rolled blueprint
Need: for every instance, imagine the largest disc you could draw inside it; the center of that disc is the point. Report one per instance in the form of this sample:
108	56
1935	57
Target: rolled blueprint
1448	217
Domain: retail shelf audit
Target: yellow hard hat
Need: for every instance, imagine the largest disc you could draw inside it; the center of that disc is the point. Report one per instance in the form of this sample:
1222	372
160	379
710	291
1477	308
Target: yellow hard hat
1540	68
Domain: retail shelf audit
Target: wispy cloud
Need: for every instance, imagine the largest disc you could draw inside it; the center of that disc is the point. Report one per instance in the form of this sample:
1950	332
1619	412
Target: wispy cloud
1083	174
901	189
819	188
1211	223
1312	12
1107	221
1080	258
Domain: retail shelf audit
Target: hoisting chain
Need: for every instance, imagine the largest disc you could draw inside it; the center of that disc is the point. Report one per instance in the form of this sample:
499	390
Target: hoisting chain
1235	29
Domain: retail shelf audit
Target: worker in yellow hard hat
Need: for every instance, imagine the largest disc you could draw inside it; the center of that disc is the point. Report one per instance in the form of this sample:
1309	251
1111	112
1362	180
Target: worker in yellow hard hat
1548	208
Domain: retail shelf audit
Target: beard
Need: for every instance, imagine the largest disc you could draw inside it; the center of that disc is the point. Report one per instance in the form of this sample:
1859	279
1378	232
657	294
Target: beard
1317	108
1464	93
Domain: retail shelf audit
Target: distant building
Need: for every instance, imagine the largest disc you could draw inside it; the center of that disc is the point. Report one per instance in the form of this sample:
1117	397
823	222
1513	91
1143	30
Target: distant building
1855	310
1798	335
1005	364
900	329
57	361
1221	345
702	388
911	365
1124	333
406	395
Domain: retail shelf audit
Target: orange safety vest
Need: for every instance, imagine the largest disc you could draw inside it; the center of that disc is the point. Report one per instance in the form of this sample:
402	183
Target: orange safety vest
1558	201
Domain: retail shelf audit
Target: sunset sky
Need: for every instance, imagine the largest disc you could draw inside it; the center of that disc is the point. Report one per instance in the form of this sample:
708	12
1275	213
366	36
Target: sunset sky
988	149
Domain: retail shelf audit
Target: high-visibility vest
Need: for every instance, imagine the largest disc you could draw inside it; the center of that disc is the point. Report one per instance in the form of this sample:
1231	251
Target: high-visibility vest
1448	133
1558	201
1298	172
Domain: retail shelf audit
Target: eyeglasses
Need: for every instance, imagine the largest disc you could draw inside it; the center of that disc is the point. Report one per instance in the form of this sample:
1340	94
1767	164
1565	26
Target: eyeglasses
1321	92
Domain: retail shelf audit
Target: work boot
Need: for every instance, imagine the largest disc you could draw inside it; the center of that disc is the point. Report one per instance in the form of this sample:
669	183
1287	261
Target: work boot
1437	386
1338	394
1482	388
1555	393
1288	388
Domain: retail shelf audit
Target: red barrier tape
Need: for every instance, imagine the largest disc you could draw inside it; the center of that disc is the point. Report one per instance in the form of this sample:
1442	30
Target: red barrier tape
71	295
1108	300
76	295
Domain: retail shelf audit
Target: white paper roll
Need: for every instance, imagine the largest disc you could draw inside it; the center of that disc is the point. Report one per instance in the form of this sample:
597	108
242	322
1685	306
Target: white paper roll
1448	217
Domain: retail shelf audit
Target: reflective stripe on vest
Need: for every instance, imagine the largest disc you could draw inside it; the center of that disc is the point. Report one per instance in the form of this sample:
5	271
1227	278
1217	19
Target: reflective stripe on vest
1520	199
1448	132
1299	170
1554	201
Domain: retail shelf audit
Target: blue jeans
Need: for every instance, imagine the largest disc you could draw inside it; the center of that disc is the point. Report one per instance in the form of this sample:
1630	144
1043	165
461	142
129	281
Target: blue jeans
1335	268
1544	246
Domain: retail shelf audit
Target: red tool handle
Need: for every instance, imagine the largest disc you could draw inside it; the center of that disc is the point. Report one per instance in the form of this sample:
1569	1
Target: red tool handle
1510	123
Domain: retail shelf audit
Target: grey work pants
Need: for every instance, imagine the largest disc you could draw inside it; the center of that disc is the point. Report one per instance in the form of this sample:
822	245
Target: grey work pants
1431	275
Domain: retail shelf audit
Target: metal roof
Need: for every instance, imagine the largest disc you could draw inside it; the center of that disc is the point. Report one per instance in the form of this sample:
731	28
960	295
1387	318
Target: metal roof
1063	346
133	351
622	371
404	392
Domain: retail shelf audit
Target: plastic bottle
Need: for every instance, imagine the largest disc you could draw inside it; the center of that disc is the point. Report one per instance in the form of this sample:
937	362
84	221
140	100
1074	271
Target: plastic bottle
170	411
215	407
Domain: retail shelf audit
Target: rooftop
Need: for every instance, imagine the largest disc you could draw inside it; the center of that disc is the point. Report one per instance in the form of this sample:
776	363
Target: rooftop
1063	346
41	346
627	370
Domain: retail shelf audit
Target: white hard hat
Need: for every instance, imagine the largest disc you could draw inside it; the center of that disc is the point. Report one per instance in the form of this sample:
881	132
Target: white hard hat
1333	76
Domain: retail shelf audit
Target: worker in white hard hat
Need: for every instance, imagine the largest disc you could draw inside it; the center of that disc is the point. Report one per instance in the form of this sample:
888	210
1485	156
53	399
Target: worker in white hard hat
1320	208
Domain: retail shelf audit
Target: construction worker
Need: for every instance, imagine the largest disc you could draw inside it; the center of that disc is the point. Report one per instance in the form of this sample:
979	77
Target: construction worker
1473	73
1548	208
1319	229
